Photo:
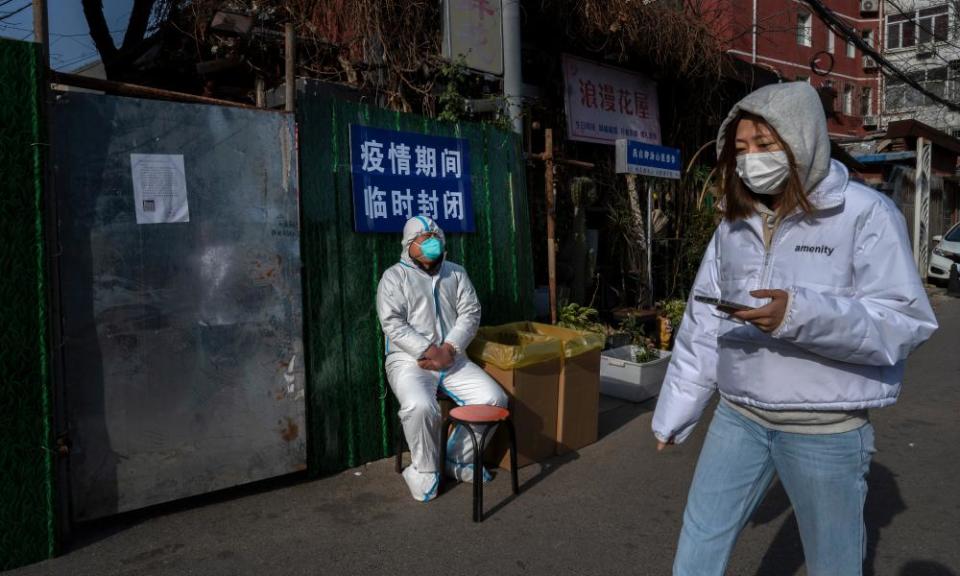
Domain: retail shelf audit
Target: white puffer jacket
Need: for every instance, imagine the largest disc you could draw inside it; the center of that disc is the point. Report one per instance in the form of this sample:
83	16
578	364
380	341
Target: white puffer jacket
857	309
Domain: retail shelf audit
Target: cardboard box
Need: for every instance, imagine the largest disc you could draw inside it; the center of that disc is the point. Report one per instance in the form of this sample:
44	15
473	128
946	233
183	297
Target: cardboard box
534	396
578	409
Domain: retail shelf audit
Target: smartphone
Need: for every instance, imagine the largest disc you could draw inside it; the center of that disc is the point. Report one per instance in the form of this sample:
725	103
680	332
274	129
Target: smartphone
719	303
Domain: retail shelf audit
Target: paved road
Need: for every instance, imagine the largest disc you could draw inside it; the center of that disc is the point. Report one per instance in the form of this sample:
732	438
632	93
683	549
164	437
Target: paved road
614	508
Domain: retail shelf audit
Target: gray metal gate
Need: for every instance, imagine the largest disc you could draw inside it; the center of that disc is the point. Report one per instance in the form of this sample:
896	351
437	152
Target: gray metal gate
181	298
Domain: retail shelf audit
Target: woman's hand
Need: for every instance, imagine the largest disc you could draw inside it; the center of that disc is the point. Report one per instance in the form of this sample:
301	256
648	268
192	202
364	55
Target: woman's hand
768	317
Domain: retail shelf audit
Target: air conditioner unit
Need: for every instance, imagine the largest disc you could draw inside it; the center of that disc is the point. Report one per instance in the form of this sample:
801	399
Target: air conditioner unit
869	63
869	6
870	121
926	49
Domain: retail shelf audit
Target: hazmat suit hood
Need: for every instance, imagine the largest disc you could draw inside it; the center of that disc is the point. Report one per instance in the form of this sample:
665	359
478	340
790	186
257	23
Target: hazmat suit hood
415	227
795	111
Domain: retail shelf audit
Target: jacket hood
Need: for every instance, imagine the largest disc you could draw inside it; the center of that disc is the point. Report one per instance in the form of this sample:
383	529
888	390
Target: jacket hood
831	191
415	227
795	111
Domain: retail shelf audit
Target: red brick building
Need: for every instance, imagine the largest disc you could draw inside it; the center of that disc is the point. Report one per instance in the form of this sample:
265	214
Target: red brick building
791	41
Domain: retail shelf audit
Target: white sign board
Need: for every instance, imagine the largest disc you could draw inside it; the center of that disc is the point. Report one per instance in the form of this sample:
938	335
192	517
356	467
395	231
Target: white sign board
604	103
159	188
473	29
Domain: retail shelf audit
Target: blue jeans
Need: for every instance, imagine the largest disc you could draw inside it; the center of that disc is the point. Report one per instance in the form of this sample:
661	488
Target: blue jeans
823	474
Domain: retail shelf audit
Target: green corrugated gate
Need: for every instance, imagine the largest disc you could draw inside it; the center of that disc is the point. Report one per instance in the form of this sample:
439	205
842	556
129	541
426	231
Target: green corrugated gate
351	412
26	475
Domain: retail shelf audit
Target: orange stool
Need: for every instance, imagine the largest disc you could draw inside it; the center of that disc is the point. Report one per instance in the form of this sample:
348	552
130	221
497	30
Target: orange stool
481	414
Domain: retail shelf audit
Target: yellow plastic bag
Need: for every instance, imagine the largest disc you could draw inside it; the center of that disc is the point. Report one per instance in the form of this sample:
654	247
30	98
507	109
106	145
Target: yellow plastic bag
575	342
508	348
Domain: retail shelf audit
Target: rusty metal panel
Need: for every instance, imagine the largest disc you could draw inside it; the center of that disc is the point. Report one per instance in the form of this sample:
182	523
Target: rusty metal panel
183	352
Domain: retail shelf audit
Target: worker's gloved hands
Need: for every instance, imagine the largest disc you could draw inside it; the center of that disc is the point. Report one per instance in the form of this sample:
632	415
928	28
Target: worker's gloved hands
438	357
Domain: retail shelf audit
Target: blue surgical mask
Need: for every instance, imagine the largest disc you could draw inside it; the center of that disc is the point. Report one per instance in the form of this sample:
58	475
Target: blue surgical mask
432	249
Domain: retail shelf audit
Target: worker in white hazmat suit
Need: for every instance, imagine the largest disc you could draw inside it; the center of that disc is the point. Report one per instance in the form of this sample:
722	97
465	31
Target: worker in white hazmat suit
429	313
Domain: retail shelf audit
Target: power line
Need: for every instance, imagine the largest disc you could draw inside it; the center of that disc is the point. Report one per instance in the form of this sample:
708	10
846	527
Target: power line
12	27
15	12
844	30
923	28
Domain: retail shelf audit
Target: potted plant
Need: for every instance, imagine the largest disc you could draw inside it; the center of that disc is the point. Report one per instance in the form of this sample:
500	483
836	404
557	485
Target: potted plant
635	371
671	314
577	317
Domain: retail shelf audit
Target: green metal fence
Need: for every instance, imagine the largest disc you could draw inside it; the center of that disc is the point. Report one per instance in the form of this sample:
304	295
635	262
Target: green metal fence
27	527
351	412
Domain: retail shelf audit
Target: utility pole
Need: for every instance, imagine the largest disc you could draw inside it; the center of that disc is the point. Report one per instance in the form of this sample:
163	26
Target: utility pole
41	32
512	77
57	438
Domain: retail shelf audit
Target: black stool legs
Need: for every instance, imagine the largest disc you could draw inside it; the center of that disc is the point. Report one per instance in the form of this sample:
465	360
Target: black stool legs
513	456
477	474
478	460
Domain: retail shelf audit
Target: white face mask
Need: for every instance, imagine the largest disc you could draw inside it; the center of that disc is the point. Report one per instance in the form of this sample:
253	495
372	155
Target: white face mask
764	172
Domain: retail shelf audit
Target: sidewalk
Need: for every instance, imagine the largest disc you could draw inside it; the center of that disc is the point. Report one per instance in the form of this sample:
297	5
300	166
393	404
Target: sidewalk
614	508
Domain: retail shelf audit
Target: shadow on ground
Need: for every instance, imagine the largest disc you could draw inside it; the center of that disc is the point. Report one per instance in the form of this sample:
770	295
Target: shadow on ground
785	555
615	414
925	568
84	534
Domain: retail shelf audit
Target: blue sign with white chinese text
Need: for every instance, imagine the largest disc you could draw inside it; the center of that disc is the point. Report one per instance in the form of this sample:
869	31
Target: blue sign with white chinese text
647	159
398	175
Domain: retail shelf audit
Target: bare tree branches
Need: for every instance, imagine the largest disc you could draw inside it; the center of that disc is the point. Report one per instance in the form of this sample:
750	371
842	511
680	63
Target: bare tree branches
116	61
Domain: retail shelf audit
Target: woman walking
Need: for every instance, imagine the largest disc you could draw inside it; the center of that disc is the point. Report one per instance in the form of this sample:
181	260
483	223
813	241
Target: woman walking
837	306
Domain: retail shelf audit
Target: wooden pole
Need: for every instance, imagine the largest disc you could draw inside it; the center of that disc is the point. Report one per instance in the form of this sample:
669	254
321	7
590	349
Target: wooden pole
41	32
551	193
124	89
290	60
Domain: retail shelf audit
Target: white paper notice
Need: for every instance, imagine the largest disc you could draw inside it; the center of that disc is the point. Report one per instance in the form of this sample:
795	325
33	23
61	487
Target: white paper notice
159	188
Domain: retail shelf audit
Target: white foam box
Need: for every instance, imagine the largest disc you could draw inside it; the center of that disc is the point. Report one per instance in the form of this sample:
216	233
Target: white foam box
622	377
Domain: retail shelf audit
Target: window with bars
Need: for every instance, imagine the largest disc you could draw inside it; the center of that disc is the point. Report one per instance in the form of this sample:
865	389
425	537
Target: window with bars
804	29
848	100
909	28
902	97
831	41
866	101
941	81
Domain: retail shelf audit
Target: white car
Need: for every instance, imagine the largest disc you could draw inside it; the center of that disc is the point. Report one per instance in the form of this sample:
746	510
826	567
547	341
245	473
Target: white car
946	254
